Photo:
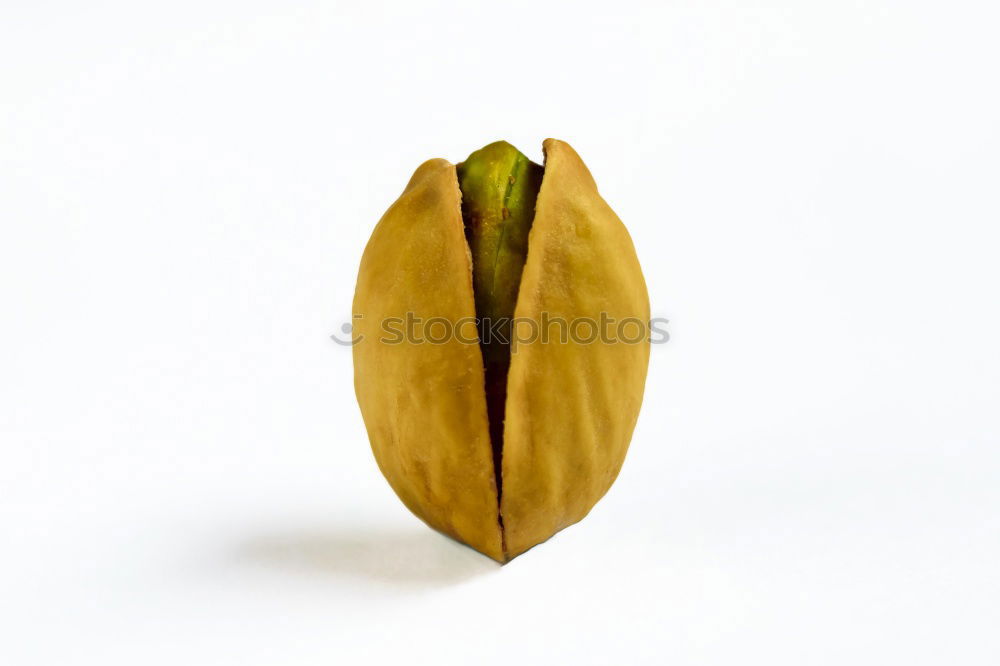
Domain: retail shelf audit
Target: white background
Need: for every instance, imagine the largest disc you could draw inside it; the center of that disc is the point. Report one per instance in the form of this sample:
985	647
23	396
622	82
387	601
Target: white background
185	192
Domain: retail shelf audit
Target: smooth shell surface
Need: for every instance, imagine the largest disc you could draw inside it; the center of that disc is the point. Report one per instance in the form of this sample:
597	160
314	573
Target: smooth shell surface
424	405
571	408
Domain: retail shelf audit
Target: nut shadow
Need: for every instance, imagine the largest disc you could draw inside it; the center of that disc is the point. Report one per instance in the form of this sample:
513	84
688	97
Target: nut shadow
405	559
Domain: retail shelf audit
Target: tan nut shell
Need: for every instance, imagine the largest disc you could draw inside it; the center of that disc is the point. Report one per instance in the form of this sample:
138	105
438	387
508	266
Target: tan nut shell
571	408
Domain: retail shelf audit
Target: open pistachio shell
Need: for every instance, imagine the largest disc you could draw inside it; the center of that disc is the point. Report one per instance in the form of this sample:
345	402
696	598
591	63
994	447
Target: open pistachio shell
571	406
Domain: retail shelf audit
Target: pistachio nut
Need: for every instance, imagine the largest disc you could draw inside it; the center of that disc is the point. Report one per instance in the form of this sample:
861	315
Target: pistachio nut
500	434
